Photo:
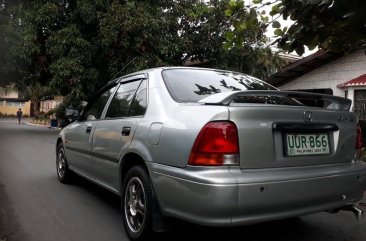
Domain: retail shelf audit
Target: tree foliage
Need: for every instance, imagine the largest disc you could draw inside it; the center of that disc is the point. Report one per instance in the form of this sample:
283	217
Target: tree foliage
336	25
75	46
14	49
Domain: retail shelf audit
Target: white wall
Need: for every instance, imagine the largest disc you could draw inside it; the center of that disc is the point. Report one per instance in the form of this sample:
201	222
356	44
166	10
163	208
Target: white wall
332	74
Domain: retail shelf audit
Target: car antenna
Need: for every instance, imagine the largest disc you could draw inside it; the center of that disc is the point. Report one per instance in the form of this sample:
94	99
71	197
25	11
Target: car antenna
124	68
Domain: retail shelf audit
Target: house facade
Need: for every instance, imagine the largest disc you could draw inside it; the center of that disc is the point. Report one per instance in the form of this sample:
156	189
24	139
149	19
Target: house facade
10	103
328	73
50	104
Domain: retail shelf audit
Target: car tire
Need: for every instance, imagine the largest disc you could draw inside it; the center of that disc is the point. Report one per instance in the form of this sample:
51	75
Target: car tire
64	174
137	203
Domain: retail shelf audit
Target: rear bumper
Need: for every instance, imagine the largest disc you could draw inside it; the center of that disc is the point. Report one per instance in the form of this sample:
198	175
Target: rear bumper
231	196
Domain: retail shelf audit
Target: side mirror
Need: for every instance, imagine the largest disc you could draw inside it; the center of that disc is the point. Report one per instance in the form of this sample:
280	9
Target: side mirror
71	114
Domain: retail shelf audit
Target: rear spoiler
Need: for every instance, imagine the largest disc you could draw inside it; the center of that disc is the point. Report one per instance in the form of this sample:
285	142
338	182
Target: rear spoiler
328	101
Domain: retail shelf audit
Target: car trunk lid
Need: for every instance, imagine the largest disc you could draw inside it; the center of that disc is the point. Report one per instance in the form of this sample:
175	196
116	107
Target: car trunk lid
276	129
266	134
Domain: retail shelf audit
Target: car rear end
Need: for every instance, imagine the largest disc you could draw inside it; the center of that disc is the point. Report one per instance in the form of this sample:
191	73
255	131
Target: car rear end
272	158
294	161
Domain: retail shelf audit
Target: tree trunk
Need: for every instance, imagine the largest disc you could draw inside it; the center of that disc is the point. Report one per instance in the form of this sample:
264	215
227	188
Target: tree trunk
36	104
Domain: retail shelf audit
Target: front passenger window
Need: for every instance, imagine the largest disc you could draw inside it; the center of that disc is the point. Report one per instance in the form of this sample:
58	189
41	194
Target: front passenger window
96	109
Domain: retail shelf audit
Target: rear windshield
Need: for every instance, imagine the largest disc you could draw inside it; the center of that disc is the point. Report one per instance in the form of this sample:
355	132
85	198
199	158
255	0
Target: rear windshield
192	85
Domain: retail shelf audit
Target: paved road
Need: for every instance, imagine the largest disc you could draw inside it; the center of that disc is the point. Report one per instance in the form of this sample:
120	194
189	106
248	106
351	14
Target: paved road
34	206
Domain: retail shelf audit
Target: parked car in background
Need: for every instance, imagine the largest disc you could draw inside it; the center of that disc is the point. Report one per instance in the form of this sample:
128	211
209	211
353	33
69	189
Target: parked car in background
213	147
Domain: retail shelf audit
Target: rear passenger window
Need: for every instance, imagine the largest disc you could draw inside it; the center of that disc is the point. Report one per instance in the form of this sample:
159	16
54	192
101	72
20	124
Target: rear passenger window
121	102
139	103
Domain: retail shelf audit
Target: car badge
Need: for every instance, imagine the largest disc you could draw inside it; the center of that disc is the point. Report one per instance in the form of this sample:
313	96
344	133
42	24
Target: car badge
308	116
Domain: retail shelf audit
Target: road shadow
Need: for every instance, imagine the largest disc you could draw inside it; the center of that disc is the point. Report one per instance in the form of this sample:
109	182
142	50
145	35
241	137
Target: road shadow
281	230
317	227
10	229
182	231
105	196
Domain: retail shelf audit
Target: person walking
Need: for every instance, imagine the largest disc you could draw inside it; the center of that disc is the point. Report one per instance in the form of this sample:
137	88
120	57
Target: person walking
19	115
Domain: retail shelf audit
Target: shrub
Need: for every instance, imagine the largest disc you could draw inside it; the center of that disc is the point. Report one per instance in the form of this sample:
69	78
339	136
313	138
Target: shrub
51	112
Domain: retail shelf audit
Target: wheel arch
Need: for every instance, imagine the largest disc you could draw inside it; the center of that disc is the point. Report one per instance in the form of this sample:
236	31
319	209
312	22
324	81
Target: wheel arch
129	160
59	140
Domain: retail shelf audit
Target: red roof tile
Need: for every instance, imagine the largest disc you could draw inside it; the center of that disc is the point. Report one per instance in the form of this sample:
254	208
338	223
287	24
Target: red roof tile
359	81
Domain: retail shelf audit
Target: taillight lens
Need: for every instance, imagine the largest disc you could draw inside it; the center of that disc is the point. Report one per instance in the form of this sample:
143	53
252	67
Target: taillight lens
216	145
359	143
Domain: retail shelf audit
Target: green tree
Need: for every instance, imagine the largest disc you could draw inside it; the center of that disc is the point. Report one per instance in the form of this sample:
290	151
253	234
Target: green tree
247	47
336	25
210	32
14	59
35	93
76	46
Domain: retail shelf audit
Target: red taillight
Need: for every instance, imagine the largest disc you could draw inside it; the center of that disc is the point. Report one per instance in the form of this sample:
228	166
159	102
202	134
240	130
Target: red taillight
359	143
216	145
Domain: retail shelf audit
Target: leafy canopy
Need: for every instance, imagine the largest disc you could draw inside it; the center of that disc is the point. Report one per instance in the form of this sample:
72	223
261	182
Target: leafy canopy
73	47
336	25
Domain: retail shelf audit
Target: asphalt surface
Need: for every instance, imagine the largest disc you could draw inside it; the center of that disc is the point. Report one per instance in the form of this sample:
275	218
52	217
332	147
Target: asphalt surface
34	206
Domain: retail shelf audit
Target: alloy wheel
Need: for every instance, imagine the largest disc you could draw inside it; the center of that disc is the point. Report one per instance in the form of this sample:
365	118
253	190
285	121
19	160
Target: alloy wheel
61	163
135	208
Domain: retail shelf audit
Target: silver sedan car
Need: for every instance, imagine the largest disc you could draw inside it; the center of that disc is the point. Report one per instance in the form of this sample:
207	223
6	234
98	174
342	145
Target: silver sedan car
215	148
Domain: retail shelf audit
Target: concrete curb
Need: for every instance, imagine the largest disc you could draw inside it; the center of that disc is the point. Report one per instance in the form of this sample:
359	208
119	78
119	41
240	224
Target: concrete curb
26	121
10	122
45	126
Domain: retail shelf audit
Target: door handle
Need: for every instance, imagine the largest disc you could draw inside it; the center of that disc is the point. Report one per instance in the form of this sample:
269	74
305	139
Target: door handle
88	130
126	131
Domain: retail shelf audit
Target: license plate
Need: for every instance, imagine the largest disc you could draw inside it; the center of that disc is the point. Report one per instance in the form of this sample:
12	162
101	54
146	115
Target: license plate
307	144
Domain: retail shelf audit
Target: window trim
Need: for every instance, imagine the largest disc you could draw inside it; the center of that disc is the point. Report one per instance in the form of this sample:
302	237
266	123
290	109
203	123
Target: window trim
122	82
132	78
113	83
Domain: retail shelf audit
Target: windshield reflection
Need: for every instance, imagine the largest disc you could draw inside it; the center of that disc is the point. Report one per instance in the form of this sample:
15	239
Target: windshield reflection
192	85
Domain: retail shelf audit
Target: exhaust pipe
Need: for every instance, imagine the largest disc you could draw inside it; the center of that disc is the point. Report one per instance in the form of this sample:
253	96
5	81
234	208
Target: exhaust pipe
354	209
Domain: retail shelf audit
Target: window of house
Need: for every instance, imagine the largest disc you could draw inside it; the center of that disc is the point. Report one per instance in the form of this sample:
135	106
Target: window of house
346	94
359	107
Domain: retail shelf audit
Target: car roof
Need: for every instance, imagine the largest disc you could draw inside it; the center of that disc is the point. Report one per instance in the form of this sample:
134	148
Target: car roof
144	73
159	69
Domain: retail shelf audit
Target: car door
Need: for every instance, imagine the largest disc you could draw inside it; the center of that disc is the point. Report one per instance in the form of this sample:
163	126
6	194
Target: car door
114	133
78	137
